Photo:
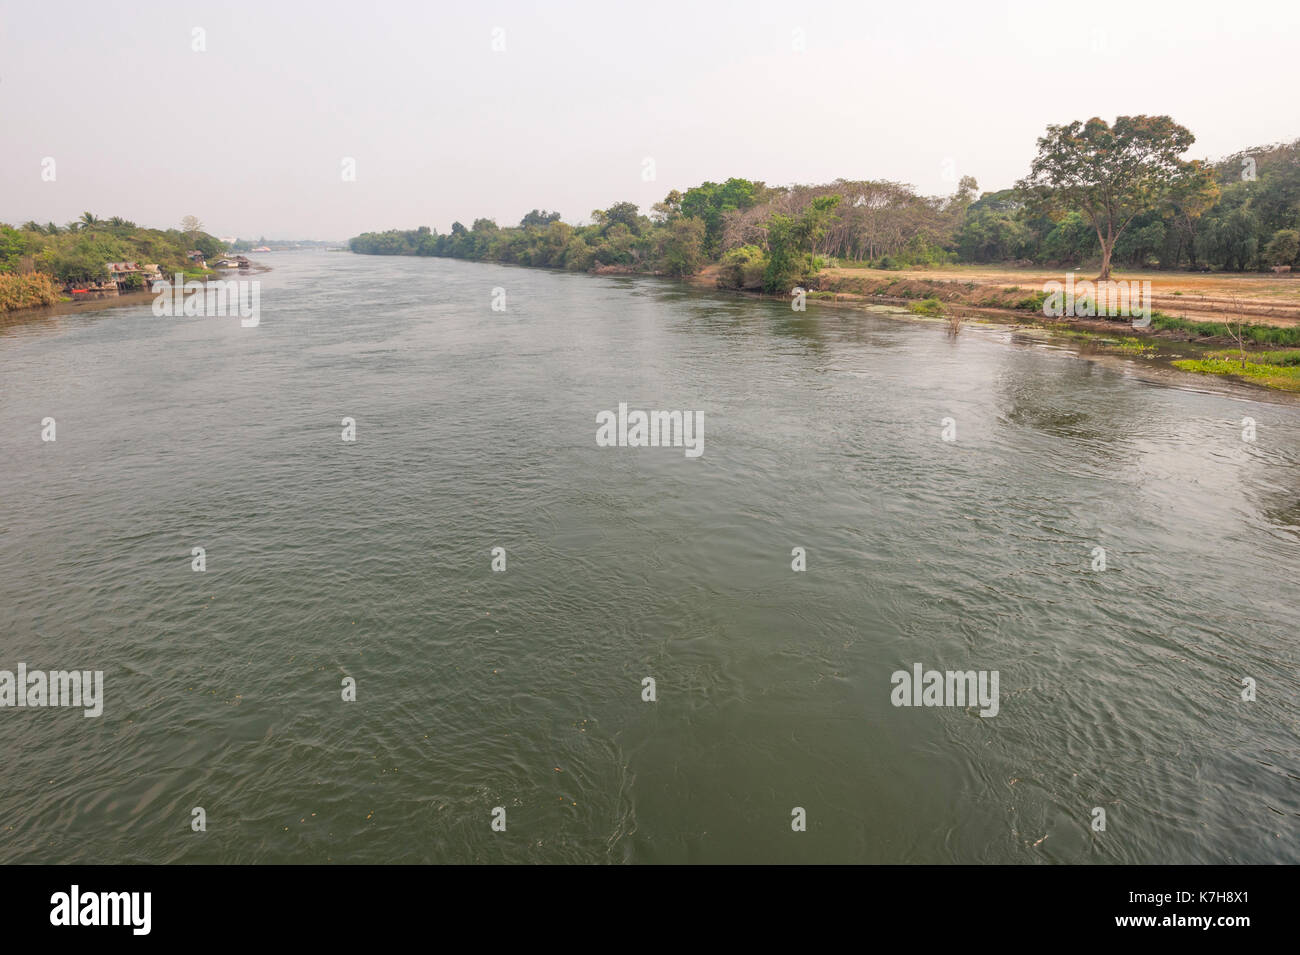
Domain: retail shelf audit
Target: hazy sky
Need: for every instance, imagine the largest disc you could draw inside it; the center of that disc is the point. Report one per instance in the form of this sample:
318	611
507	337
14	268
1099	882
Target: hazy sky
250	134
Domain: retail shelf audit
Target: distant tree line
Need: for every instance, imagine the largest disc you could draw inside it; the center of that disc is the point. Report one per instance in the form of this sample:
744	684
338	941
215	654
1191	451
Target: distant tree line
1096	194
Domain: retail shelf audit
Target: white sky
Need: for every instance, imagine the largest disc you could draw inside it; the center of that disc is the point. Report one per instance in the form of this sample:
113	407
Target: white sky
250	134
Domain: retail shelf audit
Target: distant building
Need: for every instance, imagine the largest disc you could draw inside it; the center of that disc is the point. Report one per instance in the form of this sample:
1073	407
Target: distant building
119	273
195	256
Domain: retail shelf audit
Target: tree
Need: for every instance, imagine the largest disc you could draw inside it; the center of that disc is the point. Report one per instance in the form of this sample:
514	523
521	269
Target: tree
1070	242
12	246
662	213
84	258
539	217
625	213
682	249
1283	248
191	226
968	190
711	202
1111	175
1195	192
743	268
1229	234
790	243
210	246
992	230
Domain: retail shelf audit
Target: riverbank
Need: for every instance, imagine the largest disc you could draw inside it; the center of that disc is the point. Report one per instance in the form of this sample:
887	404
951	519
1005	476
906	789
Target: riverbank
69	306
1194	296
1195	338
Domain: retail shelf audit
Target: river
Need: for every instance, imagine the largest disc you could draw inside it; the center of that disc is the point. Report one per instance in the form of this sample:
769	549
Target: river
332	563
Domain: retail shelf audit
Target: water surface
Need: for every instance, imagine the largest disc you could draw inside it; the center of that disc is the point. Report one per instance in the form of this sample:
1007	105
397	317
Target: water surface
476	429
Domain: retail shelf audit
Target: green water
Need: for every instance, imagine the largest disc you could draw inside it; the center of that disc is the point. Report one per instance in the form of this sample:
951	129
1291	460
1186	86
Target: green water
1119	689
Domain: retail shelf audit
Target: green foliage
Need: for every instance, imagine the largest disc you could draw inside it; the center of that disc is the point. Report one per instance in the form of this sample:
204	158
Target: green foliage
1153	209
84	259
994	230
12	246
743	268
210	246
1288	359
1281	377
618	236
790	244
540	218
1109	174
1071	242
1283	248
1141	244
710	202
919	252
623	214
927	306
681	250
80	253
1256	334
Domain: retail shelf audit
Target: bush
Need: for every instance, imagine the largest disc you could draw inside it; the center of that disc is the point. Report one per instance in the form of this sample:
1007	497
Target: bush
927	306
27	291
1283	248
743	268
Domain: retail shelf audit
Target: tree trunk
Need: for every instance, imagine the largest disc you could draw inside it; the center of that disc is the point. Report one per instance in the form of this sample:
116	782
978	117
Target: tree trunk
1106	249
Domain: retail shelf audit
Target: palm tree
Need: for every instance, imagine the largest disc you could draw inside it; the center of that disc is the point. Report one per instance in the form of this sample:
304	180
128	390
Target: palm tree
88	221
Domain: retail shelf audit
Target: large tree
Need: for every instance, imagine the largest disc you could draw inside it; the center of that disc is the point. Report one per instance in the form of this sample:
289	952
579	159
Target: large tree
191	226
1109	174
1195	192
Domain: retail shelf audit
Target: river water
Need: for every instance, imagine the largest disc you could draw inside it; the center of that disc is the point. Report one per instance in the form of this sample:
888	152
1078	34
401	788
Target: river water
371	561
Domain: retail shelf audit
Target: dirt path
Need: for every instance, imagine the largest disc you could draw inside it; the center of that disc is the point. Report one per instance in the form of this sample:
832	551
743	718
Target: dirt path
1263	299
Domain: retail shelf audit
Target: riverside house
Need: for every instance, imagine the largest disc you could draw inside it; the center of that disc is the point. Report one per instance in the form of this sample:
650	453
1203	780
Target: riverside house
118	279
120	274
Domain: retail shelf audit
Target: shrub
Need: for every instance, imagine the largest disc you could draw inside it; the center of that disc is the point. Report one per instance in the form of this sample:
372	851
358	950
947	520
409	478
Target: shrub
742	268
27	291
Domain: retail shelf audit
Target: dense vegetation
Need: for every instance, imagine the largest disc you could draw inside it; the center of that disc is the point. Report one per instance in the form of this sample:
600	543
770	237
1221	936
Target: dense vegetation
1095	195
36	260
763	237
